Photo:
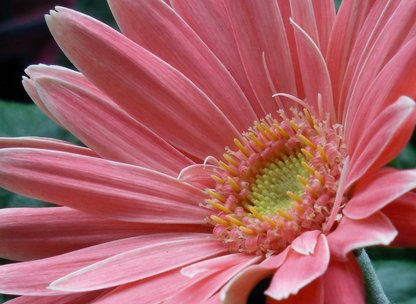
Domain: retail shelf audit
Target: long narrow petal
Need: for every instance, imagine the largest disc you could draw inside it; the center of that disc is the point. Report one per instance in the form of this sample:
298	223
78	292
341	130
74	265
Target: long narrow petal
140	263
199	175
33	277
341	277
156	27
353	234
262	43
378	190
315	75
395	80
62	230
82	297
44	143
108	130
200	290
304	16
383	139
401	214
148	291
325	15
211	23
101	187
287	282
148	89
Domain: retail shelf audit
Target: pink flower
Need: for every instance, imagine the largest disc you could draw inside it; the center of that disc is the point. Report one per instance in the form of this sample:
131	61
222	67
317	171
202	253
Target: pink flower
283	110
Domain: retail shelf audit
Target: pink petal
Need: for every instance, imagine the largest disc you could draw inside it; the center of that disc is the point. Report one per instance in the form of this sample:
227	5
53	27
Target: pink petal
259	31
162	32
201	289
44	143
348	23
148	89
108	130
393	127
353	234
306	242
325	15
304	16
82	297
101	187
33	277
36	233
312	293
199	175
286	281
315	76
148	291
401	213
395	80
387	38
343	282
211	23
378	190
140	263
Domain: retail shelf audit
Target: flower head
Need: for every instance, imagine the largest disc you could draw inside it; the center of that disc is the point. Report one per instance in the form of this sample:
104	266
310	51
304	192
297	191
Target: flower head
226	141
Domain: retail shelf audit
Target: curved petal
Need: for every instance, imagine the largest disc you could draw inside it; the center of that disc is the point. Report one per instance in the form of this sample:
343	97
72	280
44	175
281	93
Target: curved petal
378	190
353	234
383	139
262	44
325	15
396	79
33	277
201	289
156	27
313	293
44	143
108	130
101	187
149	290
211	23
401	213
82	297
148	89
199	175
140	263
62	230
343	282
287	282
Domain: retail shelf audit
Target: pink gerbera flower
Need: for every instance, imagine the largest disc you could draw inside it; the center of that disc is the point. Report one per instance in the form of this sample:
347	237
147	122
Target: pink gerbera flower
227	141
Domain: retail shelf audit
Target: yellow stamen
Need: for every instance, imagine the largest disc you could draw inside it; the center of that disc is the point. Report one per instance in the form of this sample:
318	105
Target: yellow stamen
228	169
219	206
231	160
298	207
307	154
309	168
285	215
272	223
260	128
246	205
294	197
320	178
281	131
256	214
302	180
270	132
219	220
241	147
216	195
217	179
310	190
308	117
247	230
234	220
256	141
294	126
322	153
307	142
234	184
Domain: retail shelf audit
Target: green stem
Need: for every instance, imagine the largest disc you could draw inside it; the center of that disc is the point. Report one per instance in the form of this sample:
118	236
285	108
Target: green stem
374	292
